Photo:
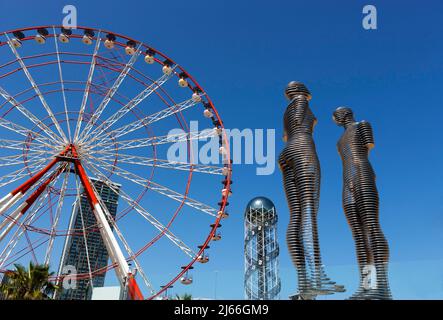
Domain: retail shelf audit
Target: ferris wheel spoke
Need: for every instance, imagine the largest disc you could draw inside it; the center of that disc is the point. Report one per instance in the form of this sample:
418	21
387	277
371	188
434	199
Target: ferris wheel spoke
31	247
11	160
112	222
57	217
23	252
132	256
36	89
131	104
145	121
30	116
21	173
9	221
13	197
160	227
19	159
13	144
67	239
50	178
31	214
147	216
110	93
22	145
25	132
156	187
161	163
62	83
122	268
88	86
84	233
152	141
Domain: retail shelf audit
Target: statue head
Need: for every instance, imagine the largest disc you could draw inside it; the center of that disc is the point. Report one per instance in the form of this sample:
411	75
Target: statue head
343	116
295	88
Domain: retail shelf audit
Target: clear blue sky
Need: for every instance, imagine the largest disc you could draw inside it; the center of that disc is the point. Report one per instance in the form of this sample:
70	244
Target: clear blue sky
244	53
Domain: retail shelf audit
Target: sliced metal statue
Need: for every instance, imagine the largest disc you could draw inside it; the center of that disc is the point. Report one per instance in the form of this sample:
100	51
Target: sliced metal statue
361	206
301	178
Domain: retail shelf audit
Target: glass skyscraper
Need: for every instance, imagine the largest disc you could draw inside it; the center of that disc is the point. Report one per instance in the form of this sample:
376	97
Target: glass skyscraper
75	254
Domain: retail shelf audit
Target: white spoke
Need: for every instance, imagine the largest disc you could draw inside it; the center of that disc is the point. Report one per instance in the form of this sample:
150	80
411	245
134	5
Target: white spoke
66	243
22	252
120	235
29	115
31	215
85	239
57	216
87	87
62	83
131	105
36	89
22	145
21	173
161	163
151	141
147	216
143	122
19	159
110	93
25	132
156	187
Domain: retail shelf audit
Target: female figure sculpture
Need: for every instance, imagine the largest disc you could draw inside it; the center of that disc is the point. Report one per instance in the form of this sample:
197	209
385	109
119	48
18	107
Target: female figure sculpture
360	203
301	178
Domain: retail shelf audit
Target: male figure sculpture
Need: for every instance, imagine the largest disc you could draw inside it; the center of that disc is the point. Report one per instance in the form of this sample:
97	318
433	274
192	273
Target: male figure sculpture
301	178
360	203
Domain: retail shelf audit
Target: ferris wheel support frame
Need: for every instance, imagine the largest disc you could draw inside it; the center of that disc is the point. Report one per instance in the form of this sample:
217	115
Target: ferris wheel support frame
23	208
124	274
122	270
11	198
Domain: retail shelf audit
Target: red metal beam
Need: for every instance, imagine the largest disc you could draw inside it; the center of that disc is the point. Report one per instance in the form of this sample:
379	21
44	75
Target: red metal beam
134	292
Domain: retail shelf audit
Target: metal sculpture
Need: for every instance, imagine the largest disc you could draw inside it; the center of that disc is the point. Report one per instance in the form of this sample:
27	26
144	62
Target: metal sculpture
301	178
262	281
361	206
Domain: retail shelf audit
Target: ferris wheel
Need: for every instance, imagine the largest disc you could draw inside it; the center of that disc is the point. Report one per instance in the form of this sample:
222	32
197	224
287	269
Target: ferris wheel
100	157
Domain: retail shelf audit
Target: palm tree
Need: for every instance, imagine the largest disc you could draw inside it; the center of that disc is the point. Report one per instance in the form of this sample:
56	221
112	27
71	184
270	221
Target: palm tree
28	284
185	296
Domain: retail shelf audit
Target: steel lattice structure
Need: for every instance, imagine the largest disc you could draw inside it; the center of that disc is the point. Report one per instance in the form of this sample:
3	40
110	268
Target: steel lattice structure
262	280
85	103
361	206
301	178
